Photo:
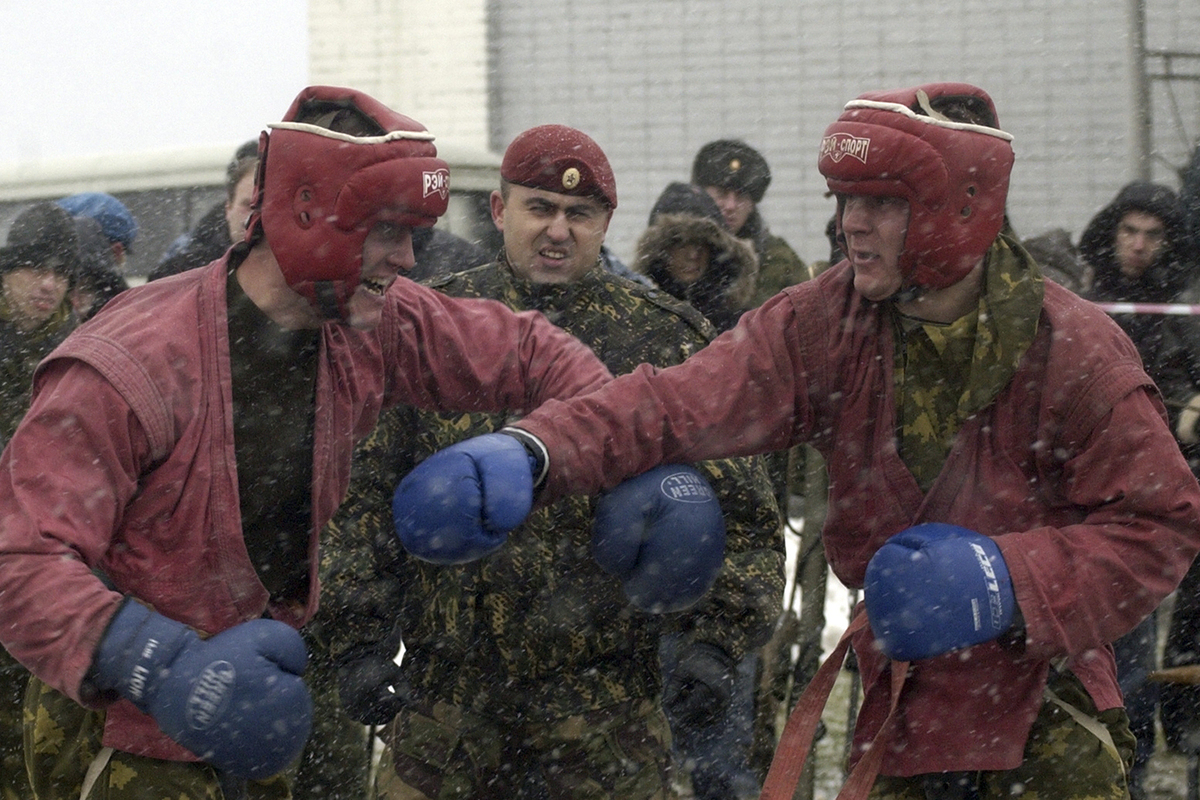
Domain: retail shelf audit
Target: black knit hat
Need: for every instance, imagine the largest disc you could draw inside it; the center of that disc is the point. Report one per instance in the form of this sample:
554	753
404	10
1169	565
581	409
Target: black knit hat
42	235
732	164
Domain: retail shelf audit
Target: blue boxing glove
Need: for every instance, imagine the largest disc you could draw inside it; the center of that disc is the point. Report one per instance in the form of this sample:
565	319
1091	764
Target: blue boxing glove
236	700
459	504
662	534
934	588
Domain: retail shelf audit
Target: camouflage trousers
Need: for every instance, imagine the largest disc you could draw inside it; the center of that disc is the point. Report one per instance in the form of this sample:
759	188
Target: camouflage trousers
623	753
62	739
336	762
14	783
1063	759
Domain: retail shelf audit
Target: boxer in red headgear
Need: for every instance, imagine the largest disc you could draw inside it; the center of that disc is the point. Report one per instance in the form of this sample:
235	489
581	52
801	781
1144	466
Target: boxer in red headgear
162	497
1002	479
952	174
339	164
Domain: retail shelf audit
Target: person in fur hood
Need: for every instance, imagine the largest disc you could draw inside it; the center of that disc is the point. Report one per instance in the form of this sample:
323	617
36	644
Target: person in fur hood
690	254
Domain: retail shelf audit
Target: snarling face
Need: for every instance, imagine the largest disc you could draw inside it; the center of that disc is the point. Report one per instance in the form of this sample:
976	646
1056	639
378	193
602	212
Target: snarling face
550	237
386	252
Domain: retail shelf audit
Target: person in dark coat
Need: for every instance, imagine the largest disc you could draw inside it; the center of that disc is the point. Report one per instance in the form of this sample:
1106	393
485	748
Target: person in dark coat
1189	198
37	266
96	279
221	225
1134	245
1060	260
736	176
116	221
1177	373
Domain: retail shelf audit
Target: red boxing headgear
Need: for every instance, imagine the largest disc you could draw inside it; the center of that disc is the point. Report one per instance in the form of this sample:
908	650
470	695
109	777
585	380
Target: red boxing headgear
339	163
953	174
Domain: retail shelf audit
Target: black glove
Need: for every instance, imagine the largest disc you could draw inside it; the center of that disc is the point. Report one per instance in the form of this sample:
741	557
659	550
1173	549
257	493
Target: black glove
372	688
698	692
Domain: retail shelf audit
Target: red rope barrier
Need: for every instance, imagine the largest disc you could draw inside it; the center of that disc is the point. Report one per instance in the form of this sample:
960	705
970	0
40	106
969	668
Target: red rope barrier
1177	309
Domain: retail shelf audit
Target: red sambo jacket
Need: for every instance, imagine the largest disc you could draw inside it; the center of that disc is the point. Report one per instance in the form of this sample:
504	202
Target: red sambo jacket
1071	469
125	461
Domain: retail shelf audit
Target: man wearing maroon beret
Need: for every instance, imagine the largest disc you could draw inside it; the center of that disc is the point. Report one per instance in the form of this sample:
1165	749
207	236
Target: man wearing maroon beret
531	669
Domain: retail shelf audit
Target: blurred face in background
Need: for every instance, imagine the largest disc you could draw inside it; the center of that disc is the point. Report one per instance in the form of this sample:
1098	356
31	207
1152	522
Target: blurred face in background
736	207
687	263
33	294
1140	240
237	208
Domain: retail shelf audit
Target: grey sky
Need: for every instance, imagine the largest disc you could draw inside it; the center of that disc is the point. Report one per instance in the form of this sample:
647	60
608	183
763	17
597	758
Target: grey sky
83	77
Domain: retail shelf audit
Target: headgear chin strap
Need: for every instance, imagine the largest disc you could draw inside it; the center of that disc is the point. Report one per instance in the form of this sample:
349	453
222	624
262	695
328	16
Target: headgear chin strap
338	164
953	174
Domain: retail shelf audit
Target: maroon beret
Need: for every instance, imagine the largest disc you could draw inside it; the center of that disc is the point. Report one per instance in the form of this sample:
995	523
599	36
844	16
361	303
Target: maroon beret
559	159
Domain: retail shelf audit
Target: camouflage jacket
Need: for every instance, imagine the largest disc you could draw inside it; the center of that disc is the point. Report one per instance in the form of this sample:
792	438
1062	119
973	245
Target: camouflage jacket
537	630
778	265
779	268
22	352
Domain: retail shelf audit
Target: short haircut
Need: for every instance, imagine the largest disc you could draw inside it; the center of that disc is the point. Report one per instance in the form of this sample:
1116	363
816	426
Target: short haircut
244	160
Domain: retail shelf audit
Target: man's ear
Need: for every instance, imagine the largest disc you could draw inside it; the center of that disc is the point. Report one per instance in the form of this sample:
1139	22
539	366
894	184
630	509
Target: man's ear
496	202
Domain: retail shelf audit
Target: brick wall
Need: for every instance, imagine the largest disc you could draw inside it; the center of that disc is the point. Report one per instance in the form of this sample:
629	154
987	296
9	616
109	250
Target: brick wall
427	60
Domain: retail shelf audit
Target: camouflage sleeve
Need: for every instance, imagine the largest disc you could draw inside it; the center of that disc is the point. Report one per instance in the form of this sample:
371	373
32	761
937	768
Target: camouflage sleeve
781	267
359	588
740	611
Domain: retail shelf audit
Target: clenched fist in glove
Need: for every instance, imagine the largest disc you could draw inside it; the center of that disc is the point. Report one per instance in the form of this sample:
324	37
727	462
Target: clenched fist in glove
236	700
698	690
662	534
372	688
934	588
459	504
